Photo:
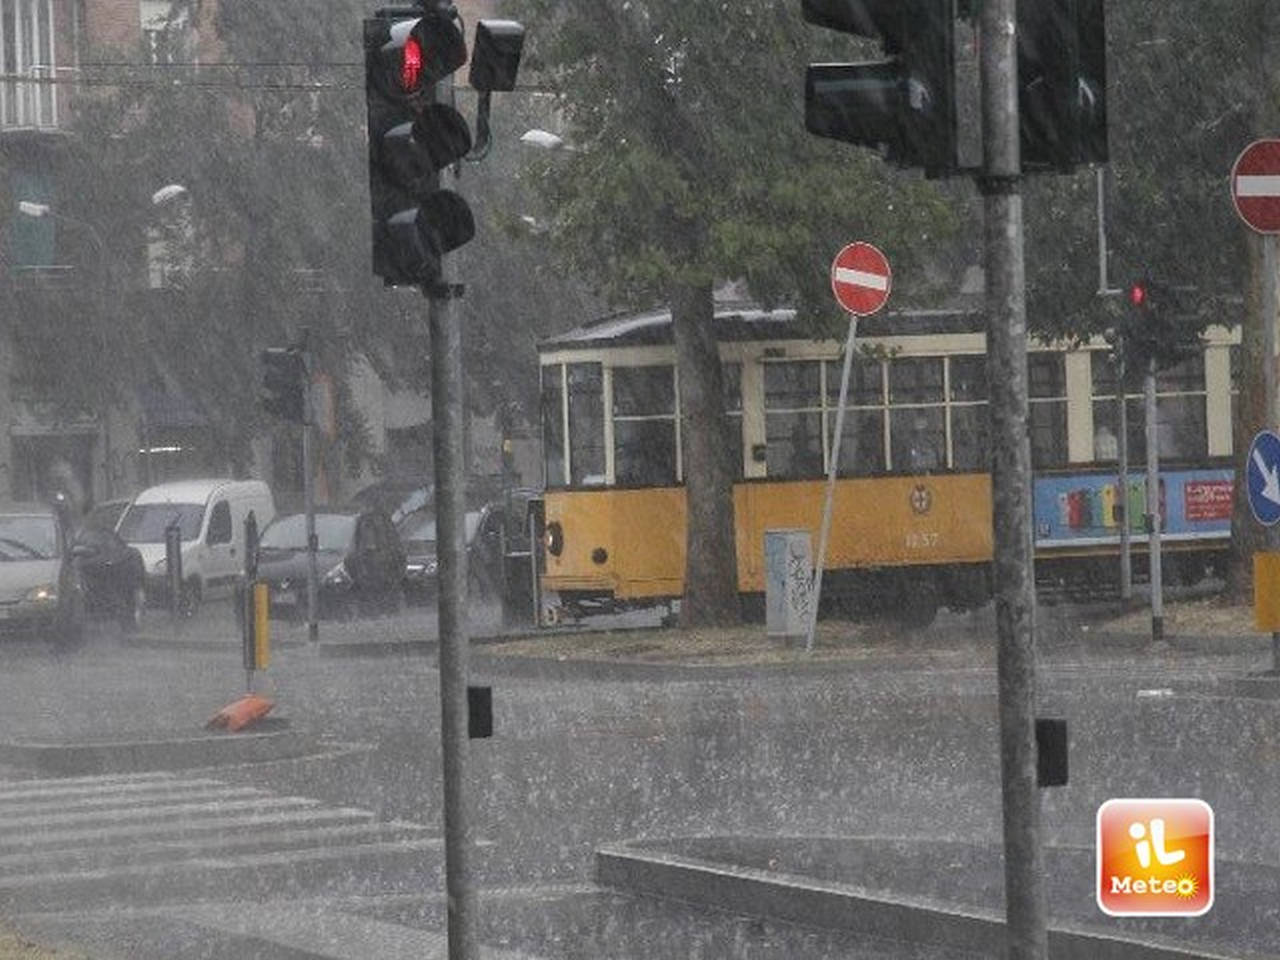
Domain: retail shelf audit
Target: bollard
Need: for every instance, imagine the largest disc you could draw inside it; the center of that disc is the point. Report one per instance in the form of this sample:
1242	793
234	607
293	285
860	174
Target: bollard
173	566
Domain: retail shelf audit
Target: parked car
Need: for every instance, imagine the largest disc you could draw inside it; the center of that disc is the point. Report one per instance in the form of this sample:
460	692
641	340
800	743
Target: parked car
106	514
397	497
210	515
359	560
493	529
111	574
40	587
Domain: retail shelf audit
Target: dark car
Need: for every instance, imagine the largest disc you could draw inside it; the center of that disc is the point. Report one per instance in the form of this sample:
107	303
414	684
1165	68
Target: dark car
106	514
40	589
493	529
359	563
111	573
397	497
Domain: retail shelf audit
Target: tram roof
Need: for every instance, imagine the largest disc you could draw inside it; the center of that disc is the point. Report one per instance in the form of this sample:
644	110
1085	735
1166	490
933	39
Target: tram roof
751	322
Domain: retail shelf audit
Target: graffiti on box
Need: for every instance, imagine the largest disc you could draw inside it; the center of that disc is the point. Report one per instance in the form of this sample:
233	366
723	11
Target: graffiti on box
1090	508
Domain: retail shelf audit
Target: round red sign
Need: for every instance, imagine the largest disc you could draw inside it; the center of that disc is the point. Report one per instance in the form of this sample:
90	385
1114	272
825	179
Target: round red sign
861	278
1255	185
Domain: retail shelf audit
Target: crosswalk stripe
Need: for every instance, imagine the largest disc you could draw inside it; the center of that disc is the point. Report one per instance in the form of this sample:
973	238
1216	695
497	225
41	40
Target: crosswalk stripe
139	788
10	825
105	802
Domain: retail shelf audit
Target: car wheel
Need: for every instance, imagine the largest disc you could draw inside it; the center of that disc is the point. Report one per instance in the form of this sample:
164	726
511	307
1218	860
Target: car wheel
131	612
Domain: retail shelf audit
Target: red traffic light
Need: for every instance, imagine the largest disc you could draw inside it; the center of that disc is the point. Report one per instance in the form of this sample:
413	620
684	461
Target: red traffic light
1138	294
410	64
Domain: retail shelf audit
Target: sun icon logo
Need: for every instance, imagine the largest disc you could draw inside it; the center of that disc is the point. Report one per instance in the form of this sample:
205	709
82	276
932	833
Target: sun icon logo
1188	885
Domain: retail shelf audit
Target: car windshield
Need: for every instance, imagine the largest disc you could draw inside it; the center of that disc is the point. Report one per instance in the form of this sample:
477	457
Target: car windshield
423	529
28	538
147	522
105	516
334	531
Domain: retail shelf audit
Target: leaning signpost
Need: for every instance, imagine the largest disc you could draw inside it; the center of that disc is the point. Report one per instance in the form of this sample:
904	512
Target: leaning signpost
861	280
1255	193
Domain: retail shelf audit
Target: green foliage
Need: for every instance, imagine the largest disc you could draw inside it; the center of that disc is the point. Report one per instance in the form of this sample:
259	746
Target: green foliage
1182	88
689	162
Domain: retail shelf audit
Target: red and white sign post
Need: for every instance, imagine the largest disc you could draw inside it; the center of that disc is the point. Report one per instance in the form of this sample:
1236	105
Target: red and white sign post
861	280
1255	191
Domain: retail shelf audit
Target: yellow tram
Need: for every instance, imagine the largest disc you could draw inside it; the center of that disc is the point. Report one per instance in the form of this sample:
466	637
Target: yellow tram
912	509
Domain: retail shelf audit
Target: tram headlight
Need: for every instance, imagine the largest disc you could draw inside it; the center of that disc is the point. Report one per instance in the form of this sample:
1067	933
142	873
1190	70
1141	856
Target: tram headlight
555	538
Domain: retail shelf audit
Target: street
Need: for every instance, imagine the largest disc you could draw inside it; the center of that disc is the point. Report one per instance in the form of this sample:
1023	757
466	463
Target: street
336	851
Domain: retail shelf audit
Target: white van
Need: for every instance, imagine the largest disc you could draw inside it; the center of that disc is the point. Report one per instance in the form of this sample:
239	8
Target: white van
211	516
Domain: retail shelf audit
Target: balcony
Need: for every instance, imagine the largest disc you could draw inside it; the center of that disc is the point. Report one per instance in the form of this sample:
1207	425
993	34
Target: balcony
29	100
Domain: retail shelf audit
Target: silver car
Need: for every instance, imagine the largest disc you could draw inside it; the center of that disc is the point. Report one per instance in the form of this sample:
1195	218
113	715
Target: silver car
39	588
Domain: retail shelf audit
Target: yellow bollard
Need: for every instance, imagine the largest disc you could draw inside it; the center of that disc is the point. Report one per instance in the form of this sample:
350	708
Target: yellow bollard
1266	591
261	626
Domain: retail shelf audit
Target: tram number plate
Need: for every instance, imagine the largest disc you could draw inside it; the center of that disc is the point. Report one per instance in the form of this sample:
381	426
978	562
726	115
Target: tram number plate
922	539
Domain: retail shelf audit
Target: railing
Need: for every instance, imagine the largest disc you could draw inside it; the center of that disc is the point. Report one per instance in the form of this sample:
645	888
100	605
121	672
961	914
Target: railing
29	98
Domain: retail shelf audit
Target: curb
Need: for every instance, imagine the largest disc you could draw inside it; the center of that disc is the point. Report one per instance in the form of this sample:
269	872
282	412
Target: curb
136	756
833	905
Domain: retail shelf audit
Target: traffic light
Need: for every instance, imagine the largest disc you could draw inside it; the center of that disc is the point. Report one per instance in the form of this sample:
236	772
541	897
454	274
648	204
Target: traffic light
412	137
1157	325
284	376
905	105
1062	83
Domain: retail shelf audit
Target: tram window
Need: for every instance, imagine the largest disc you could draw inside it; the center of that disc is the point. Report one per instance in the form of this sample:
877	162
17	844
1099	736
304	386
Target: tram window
918	438
793	419
1180	427
861	443
586	424
1047	410
643	391
969	378
866	383
1047	427
969	437
1185	377
644	426
793	444
915	380
644	452
791	386
553	425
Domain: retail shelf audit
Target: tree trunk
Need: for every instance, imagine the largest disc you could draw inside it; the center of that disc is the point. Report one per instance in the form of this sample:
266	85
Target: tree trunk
711	577
1247	535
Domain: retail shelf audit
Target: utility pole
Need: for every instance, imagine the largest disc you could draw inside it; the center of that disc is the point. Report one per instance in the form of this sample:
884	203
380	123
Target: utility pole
1000	183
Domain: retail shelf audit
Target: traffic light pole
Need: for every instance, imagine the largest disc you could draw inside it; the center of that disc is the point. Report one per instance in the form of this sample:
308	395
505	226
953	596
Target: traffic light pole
1014	586
450	493
1152	518
309	506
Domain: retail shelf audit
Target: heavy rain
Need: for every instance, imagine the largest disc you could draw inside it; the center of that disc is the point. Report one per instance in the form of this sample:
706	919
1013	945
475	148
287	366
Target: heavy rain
639	479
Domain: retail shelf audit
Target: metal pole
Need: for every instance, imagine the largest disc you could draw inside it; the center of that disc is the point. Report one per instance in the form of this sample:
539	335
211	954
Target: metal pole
309	502
1153	503
450	484
1026	928
816	594
1270	310
1126	547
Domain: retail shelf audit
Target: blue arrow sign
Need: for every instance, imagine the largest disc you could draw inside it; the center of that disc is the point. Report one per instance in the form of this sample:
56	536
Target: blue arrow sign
1263	470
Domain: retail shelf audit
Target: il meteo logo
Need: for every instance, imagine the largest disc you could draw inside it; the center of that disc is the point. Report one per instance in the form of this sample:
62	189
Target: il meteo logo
1155	857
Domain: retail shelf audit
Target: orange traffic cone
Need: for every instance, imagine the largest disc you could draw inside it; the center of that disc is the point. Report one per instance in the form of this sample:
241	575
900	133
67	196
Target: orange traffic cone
241	713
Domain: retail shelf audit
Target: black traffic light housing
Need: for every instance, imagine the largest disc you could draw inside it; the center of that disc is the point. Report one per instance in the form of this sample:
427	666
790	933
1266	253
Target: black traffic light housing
412	137
905	105
1062	84
920	106
284	377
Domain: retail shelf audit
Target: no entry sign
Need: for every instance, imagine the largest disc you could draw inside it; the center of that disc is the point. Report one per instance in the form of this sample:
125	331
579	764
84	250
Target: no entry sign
1255	185
860	279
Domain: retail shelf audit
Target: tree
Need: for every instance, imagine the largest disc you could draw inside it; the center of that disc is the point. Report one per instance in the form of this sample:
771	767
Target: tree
690	166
